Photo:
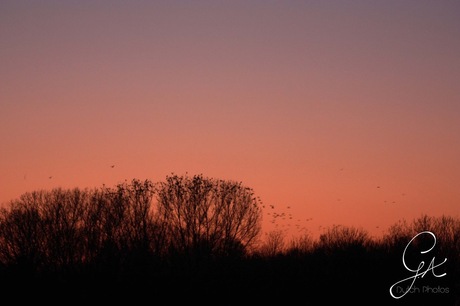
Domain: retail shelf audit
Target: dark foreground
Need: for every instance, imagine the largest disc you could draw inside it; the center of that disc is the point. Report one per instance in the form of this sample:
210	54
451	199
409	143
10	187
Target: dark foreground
358	276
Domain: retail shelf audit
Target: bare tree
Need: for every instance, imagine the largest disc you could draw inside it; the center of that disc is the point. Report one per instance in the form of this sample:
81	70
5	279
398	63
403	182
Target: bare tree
207	215
274	243
44	228
119	224
301	245
340	237
397	236
61	212
21	232
445	228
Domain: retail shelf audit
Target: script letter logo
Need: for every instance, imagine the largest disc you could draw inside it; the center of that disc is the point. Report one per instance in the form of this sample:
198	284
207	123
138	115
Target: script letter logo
418	271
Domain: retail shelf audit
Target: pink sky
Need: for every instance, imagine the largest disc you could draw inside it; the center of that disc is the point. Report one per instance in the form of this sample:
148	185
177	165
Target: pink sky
313	104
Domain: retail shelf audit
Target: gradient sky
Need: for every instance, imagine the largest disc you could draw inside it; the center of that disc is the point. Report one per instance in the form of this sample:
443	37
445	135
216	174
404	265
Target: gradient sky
348	112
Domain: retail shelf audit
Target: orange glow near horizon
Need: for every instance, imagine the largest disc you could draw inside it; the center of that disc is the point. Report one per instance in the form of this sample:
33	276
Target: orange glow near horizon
345	113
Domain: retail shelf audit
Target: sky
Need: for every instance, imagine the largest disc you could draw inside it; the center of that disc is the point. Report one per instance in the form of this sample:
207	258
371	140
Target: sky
334	112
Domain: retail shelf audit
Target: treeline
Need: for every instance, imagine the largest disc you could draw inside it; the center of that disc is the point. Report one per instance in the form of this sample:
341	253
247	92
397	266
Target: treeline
198	239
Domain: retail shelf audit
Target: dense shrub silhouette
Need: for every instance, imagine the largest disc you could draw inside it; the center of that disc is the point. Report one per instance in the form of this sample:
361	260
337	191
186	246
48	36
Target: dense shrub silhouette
198	239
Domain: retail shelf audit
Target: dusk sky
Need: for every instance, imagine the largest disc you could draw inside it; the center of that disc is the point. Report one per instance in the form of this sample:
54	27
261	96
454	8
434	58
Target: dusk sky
347	112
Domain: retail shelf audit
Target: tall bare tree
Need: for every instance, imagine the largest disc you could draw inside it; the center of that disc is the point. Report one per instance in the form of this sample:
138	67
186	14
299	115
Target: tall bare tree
207	215
21	232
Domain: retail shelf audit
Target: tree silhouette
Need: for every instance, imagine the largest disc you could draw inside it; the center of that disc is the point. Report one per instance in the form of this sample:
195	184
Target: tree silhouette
204	216
274	243
190	237
302	245
120	226
21	236
345	238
